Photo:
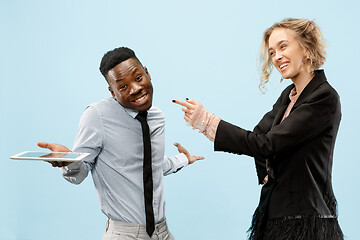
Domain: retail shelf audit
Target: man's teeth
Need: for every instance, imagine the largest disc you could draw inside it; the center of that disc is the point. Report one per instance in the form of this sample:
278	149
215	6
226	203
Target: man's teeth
140	99
284	65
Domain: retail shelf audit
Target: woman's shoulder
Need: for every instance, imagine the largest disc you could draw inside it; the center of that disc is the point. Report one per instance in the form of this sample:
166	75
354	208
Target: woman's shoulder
325	90
322	86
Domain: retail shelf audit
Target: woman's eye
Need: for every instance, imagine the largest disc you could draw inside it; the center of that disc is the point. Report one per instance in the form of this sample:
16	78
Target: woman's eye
283	46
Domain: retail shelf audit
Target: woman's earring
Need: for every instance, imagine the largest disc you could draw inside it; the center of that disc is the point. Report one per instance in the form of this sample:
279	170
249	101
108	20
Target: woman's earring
281	79
310	63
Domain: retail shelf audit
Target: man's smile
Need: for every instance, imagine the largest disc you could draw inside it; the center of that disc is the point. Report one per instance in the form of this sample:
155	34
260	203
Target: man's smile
140	100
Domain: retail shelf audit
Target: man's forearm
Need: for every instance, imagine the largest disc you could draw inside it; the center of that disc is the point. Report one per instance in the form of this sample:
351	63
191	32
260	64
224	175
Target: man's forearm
75	172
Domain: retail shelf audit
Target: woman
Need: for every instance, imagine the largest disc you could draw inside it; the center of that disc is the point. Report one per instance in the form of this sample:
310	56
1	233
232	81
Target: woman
293	143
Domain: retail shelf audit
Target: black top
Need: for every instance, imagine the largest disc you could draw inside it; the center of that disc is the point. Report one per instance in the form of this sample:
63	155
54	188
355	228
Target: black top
299	150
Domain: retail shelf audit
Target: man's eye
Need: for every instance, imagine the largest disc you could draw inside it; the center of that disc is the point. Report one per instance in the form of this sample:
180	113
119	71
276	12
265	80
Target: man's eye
122	87
138	78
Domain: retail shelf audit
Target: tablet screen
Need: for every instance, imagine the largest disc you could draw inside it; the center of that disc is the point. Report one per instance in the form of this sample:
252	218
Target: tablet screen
69	155
50	156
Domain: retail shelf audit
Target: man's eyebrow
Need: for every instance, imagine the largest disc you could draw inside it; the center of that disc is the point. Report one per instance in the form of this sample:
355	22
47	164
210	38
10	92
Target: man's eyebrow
134	71
119	79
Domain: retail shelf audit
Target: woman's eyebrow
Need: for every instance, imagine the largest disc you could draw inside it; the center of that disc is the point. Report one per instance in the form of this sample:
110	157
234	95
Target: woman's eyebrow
279	43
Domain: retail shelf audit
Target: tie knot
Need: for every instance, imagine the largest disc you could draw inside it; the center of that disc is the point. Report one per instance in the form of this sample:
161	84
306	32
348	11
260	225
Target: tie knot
142	116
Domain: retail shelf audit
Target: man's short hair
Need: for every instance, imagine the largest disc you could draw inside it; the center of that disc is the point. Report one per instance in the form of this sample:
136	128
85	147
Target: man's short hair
114	57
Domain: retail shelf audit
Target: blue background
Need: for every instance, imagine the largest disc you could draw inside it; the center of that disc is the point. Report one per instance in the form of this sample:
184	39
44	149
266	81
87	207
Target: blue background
206	50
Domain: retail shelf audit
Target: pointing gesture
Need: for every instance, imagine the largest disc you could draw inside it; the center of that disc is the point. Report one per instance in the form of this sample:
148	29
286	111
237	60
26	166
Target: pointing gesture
195	114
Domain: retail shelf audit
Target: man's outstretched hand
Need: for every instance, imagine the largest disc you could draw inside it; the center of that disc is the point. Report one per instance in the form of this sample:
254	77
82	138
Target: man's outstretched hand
55	148
191	158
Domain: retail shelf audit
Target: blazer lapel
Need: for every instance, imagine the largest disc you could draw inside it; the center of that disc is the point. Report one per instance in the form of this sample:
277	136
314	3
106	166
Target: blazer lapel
284	104
279	115
317	80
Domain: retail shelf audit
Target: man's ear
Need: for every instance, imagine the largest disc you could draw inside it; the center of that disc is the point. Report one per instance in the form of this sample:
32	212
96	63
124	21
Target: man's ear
112	92
147	72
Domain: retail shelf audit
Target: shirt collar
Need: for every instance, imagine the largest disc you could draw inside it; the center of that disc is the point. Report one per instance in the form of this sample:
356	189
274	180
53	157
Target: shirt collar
293	96
130	111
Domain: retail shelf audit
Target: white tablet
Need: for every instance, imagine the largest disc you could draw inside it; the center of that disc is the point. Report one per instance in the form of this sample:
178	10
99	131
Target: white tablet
50	156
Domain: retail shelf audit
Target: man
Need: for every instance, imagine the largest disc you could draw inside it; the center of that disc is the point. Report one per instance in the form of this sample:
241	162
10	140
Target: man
113	133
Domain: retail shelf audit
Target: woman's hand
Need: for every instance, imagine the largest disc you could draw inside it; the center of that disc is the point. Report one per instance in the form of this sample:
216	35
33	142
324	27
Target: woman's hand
266	179
195	114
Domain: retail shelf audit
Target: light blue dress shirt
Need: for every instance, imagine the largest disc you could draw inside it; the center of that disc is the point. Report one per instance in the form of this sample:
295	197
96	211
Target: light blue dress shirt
113	137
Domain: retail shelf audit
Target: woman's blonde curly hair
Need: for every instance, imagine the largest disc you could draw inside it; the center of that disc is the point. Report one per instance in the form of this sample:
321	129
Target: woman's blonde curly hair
310	38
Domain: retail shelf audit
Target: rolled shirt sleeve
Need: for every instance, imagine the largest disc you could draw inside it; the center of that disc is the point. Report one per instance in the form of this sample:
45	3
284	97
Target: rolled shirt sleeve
88	140
174	163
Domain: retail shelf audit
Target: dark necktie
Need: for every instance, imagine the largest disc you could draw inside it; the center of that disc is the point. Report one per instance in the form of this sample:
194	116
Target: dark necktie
147	174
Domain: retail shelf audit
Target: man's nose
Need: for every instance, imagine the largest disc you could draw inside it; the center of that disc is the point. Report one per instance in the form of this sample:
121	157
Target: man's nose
135	88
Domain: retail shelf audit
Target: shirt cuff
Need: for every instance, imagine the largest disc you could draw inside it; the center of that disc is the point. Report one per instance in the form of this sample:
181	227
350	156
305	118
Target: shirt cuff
71	167
180	161
212	128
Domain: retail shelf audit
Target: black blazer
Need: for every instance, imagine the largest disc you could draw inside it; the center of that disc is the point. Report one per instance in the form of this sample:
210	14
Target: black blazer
298	151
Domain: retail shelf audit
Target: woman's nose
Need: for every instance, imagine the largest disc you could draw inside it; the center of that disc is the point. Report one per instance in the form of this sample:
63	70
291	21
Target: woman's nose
278	57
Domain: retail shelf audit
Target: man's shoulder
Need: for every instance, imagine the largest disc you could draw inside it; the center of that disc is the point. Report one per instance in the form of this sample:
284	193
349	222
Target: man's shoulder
103	108
103	103
155	113
155	109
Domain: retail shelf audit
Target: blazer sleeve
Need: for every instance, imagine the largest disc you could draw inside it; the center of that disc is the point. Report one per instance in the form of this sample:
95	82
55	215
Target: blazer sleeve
263	127
305	122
